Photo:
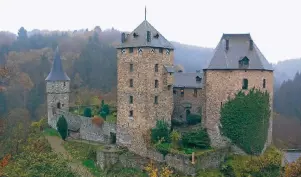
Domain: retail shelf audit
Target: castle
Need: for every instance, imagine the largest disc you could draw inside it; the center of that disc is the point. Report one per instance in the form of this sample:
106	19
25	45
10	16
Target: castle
149	88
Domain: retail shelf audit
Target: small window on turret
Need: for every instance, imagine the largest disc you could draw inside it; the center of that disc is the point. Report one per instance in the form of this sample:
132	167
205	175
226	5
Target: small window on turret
131	83
131	50
131	113
131	67
160	50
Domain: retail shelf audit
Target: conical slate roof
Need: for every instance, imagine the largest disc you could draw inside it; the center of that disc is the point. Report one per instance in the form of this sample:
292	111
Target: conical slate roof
138	38
57	73
239	48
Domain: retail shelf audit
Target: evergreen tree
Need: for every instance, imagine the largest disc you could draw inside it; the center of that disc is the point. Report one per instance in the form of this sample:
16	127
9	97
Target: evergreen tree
62	127
88	112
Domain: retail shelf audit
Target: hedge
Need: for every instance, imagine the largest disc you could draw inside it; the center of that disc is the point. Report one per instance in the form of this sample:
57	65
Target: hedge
245	120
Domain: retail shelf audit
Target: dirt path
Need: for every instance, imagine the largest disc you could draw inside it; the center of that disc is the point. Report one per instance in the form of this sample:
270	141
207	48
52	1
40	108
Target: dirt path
77	167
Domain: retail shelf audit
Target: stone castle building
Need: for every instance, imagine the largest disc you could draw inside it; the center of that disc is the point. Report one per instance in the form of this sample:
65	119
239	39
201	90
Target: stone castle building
149	88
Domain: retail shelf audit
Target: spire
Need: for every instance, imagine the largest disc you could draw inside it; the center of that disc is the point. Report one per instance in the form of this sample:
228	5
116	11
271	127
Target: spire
57	73
145	13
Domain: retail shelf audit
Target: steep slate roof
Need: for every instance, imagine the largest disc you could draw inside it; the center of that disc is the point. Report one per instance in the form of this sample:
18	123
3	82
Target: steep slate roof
140	40
187	80
239	47
57	73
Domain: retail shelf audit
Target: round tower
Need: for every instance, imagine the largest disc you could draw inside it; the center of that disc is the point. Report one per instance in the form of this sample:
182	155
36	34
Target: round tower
57	88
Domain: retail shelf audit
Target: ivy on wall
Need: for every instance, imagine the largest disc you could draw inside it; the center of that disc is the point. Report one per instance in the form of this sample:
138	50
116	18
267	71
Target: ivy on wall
245	120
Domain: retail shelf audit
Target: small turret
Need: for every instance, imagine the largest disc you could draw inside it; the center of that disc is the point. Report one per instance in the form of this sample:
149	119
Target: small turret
57	88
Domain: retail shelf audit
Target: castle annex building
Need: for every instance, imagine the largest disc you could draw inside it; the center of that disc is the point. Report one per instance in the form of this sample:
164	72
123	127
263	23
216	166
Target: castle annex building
149	88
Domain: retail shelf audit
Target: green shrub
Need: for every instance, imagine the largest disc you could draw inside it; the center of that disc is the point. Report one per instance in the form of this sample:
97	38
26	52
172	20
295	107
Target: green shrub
88	112
245	120
160	132
197	139
175	137
193	119
163	148
62	127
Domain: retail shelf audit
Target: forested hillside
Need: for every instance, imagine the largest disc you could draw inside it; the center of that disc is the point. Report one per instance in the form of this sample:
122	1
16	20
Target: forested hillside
89	58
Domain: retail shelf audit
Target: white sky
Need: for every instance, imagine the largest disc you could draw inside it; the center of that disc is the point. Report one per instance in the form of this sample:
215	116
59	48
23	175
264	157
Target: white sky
274	24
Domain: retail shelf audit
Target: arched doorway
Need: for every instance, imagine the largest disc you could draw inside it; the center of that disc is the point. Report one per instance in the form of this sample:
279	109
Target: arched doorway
58	105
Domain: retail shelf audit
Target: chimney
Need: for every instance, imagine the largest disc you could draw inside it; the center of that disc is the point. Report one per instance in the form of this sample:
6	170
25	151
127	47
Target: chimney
148	36
122	37
251	44
227	44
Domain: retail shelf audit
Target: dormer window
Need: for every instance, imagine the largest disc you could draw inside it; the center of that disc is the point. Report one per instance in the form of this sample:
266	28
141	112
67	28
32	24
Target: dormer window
156	36
135	35
167	51
244	62
198	79
227	44
148	36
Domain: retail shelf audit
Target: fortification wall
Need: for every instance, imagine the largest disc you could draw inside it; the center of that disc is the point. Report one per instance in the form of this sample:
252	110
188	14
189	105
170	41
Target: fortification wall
87	130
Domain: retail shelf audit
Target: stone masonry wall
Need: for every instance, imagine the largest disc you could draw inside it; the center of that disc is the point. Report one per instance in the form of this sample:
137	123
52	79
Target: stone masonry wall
221	84
57	92
197	101
130	130
87	130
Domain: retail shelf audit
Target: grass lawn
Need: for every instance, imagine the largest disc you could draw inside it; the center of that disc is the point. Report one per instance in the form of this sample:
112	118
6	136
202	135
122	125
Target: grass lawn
51	132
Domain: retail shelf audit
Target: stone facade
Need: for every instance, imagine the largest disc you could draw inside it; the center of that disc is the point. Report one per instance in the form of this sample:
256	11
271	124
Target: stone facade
145	112
222	84
180	162
57	98
192	99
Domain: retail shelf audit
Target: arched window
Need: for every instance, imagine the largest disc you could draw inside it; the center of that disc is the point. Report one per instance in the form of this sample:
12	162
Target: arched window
245	84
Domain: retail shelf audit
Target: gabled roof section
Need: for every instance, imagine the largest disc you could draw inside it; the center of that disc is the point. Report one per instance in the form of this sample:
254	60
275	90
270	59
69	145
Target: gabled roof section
138	38
57	73
239	46
187	80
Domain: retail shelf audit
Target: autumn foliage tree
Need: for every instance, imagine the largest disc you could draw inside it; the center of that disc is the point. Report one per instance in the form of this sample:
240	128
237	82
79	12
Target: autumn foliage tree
293	169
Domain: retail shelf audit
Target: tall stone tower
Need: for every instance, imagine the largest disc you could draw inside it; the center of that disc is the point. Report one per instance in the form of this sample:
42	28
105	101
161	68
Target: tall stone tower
57	88
237	64
144	86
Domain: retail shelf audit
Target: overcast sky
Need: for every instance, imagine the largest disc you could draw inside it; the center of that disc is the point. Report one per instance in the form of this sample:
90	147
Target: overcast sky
275	25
